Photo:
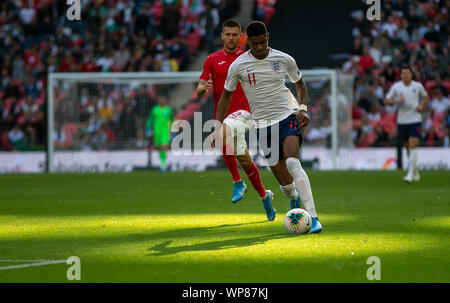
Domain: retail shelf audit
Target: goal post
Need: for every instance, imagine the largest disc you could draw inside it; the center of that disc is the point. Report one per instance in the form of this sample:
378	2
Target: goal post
93	116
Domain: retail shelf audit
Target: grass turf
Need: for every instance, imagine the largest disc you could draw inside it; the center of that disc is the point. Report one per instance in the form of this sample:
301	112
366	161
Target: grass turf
182	227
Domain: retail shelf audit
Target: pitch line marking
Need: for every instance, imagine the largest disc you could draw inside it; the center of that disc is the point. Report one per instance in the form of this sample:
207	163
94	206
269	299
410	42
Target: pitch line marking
26	260
42	263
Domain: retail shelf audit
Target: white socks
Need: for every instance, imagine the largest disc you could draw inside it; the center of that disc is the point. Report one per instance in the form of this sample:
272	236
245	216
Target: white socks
301	181
289	191
412	161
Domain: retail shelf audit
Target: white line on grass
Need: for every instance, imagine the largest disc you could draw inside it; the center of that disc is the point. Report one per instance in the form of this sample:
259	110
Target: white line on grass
46	262
26	260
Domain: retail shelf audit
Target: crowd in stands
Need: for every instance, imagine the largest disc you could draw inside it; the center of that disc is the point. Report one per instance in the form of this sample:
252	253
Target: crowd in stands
264	10
410	31
163	35
113	36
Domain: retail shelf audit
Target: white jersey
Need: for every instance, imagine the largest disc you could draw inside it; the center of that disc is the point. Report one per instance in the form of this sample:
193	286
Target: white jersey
412	94
263	82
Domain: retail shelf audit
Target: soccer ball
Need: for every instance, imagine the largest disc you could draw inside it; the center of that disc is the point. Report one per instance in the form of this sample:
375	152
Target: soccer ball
297	221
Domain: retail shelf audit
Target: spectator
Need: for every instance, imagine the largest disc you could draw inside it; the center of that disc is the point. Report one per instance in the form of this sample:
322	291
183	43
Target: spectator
18	66
17	137
31	116
170	20
105	106
357	48
389	27
365	60
402	32
89	64
144	102
46	26
367	135
179	49
5	79
440	104
142	22
11	112
31	56
375	51
127	122
121	57
27	15
166	64
68	63
99	139
116	35
31	87
106	62
211	21
416	32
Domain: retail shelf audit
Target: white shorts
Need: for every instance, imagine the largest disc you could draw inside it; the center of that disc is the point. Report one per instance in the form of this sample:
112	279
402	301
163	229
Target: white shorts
239	123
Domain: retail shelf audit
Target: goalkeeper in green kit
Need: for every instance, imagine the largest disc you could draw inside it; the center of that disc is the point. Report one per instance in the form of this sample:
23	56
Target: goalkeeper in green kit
159	122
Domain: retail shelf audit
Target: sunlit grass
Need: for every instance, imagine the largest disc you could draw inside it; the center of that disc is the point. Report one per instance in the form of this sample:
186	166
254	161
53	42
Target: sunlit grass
125	230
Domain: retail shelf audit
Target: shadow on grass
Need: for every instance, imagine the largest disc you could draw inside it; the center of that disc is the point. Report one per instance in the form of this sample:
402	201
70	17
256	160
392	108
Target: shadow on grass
163	249
199	231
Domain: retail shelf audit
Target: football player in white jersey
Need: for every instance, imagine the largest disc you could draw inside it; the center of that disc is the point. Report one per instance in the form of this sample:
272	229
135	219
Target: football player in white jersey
261	72
411	98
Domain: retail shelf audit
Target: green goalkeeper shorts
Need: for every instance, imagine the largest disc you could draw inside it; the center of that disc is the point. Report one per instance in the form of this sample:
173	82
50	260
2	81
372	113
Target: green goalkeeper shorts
161	138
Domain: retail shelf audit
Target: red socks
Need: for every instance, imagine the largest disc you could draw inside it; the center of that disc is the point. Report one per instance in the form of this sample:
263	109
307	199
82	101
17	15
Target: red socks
230	161
254	177
252	172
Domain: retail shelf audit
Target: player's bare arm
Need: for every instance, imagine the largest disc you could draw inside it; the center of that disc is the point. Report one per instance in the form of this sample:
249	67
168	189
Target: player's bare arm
222	109
302	94
204	86
223	105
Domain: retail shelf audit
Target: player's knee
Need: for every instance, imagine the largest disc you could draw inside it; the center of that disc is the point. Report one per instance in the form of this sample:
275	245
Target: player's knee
413	143
244	160
292	164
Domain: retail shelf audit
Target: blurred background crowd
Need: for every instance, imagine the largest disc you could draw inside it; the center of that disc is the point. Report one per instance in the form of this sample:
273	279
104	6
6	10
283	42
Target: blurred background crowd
165	35
115	36
410	31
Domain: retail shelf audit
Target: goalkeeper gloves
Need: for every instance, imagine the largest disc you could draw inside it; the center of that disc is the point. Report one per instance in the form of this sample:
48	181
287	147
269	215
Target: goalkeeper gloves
148	131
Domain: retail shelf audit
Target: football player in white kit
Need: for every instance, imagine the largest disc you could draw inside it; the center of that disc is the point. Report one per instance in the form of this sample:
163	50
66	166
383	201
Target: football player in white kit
411	98
261	72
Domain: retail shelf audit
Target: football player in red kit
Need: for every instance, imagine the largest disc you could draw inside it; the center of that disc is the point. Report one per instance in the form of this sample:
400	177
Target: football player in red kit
239	119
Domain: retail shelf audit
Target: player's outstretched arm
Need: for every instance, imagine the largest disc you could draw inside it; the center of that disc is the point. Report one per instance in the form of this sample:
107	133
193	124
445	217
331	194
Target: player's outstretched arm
302	95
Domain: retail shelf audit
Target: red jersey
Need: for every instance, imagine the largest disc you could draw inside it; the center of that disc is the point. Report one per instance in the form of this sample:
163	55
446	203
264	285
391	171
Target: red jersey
217	65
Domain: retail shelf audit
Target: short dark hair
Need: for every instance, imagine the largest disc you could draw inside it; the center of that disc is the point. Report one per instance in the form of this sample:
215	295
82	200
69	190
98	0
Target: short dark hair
406	66
231	23
256	28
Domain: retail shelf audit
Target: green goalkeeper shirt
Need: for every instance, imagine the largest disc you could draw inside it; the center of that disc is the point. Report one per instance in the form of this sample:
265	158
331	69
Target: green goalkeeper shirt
160	119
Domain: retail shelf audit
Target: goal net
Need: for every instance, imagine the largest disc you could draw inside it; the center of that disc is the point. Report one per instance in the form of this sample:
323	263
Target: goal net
97	121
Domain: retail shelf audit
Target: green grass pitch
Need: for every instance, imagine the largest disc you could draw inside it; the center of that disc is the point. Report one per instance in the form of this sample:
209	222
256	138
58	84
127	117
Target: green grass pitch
182	227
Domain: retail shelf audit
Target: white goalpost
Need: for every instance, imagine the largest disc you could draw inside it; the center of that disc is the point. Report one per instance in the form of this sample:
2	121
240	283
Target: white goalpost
96	121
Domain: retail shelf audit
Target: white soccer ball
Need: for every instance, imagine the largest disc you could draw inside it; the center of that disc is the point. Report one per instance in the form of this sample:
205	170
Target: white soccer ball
297	221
